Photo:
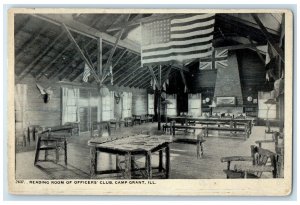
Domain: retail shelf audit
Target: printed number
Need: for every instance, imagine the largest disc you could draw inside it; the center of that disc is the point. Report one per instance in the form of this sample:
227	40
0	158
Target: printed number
19	181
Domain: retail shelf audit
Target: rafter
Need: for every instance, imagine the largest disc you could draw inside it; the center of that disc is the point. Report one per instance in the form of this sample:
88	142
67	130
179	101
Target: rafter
128	73
130	76
122	67
108	62
81	54
136	75
142	20
269	38
64	68
30	42
140	78
88	31
41	71
29	67
78	70
23	25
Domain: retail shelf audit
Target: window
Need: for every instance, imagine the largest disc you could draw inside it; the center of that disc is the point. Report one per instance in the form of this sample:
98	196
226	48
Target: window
151	104
172	107
127	104
195	105
70	104
107	106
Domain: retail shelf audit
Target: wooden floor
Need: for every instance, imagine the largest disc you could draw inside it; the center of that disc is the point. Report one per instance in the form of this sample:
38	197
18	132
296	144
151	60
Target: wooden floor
184	163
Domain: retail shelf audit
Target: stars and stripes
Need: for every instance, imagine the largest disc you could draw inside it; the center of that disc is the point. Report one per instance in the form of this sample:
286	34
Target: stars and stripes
86	73
217	60
177	40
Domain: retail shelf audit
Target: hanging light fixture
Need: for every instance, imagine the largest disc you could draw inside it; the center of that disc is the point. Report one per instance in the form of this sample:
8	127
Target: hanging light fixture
103	91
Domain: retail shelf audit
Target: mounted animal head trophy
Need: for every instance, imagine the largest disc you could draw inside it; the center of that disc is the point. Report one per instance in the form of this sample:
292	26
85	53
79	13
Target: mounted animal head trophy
46	93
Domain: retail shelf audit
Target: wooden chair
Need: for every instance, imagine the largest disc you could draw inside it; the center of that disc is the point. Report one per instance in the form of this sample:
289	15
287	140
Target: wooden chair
150	117
128	121
101	127
261	160
75	127
49	139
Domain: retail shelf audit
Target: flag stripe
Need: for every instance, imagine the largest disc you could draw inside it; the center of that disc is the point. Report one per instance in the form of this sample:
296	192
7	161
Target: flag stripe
147	52
179	57
173	52
192	18
179	39
191	34
198	36
196	23
193	29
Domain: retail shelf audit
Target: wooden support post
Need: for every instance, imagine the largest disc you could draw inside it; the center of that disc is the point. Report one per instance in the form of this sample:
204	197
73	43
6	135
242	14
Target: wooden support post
121	69
159	98
108	62
183	79
99	56
81	53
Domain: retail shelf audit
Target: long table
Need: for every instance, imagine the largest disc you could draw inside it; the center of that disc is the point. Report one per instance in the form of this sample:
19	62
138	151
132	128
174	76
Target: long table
233	122
130	147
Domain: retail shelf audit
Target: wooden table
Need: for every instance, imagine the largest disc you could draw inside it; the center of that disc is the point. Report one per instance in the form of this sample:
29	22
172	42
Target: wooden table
233	122
130	147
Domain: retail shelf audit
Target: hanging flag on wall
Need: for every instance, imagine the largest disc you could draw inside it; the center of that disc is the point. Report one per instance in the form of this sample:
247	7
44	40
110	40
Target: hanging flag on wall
178	39
217	60
270	54
86	73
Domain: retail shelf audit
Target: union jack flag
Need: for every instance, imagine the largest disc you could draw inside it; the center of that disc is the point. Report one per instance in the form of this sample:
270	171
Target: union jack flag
217	60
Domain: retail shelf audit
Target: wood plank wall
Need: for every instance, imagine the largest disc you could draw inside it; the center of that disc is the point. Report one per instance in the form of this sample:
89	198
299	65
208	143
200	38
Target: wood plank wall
37	112
49	114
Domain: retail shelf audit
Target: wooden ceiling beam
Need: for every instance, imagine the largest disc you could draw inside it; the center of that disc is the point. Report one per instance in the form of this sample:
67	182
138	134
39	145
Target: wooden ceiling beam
137	74
92	69
269	38
133	75
121	68
146	79
120	57
41	71
80	71
257	51
88	31
30	42
29	67
23	25
140	78
64	68
137	21
128	73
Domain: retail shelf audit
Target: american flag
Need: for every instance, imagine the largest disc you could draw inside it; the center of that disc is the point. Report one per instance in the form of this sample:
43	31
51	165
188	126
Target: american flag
178	39
86	73
217	60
